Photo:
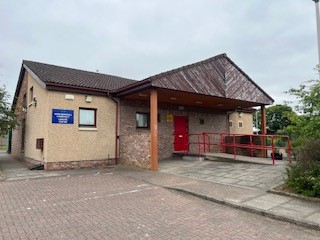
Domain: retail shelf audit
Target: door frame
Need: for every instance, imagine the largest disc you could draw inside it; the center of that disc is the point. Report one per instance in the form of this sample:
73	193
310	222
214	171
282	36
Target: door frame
186	138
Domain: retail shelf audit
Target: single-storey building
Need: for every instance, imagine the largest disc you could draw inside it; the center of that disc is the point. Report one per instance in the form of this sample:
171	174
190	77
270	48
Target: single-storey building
241	121
73	118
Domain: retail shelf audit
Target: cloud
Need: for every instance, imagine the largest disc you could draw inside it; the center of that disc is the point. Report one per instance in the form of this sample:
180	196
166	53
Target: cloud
274	42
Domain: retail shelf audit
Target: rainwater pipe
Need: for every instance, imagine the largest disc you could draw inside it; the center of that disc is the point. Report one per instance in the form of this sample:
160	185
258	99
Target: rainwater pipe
117	126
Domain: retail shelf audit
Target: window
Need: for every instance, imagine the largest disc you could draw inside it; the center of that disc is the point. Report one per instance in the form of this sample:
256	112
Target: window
230	123
142	120
87	117
201	121
31	94
240	124
39	143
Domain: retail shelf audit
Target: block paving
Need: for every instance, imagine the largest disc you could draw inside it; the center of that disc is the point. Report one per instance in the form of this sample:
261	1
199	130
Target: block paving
111	204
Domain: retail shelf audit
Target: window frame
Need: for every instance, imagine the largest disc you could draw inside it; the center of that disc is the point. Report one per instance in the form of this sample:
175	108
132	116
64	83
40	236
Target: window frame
88	125
148	120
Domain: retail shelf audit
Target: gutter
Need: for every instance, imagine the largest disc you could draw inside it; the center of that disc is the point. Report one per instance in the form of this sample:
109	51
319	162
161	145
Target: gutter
134	88
59	86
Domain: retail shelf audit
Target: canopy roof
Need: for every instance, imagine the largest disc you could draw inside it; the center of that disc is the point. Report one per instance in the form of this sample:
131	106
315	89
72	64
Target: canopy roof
217	77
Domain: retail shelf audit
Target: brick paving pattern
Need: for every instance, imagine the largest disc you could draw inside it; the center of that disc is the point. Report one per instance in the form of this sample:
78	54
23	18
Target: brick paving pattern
110	205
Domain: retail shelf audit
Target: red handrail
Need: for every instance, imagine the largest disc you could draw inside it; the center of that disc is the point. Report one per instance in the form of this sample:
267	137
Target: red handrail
204	141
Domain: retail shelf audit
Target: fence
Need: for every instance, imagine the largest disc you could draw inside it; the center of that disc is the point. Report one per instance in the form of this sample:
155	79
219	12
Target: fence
238	144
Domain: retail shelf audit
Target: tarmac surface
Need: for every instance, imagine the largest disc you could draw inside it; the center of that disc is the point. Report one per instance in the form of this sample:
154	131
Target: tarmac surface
127	203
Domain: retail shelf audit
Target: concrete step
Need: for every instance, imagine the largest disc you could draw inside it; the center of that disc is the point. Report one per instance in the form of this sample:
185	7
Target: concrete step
193	158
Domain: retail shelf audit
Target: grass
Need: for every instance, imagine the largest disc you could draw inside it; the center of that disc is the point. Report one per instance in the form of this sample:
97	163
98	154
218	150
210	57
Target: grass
3	147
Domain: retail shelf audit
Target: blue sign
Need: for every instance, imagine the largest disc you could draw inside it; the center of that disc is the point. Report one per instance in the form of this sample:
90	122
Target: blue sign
62	116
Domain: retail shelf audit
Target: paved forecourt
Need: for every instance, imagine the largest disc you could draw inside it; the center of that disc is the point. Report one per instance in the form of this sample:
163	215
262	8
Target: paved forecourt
113	205
251	175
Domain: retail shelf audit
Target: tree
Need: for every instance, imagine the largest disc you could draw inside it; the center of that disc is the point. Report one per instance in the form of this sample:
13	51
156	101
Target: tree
304	175
7	117
278	117
306	124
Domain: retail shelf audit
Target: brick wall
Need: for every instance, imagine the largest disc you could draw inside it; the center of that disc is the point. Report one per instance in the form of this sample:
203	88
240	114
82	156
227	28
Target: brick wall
50	166
213	122
134	144
244	140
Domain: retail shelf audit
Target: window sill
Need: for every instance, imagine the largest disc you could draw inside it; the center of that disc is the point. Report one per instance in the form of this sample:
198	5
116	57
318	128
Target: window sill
87	129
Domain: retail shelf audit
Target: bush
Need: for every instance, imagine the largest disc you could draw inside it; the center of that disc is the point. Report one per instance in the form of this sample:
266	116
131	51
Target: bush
304	175
280	142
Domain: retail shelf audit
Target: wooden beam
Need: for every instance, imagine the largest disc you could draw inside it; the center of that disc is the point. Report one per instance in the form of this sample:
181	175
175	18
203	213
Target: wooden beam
154	129
263	128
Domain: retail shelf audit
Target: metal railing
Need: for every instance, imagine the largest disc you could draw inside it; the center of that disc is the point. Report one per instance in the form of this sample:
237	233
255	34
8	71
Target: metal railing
204	142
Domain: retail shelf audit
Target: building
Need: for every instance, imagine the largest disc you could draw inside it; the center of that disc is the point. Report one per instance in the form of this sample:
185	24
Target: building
241	121
74	118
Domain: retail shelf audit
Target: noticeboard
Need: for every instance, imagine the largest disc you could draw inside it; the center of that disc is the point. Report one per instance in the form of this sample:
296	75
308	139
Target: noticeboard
62	116
169	118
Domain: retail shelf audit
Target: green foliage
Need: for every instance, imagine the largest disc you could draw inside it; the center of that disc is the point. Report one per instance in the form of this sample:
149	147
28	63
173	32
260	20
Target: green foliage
278	117
306	124
3	147
305	183
280	142
7	116
304	130
304	175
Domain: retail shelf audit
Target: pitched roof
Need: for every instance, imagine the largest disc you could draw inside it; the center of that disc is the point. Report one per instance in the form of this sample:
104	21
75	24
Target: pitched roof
218	76
51	74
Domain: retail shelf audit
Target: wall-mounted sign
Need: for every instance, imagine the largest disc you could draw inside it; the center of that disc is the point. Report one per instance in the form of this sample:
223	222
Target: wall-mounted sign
62	116
169	118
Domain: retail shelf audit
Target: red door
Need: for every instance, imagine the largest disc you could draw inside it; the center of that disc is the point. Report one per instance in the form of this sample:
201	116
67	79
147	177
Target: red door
180	124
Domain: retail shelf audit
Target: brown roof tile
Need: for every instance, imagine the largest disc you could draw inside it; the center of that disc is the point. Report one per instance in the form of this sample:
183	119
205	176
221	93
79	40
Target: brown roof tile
218	76
51	74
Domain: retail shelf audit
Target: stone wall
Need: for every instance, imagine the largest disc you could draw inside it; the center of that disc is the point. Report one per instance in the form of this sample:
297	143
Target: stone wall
134	144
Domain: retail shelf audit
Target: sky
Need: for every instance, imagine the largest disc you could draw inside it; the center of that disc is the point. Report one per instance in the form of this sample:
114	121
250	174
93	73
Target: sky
274	42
